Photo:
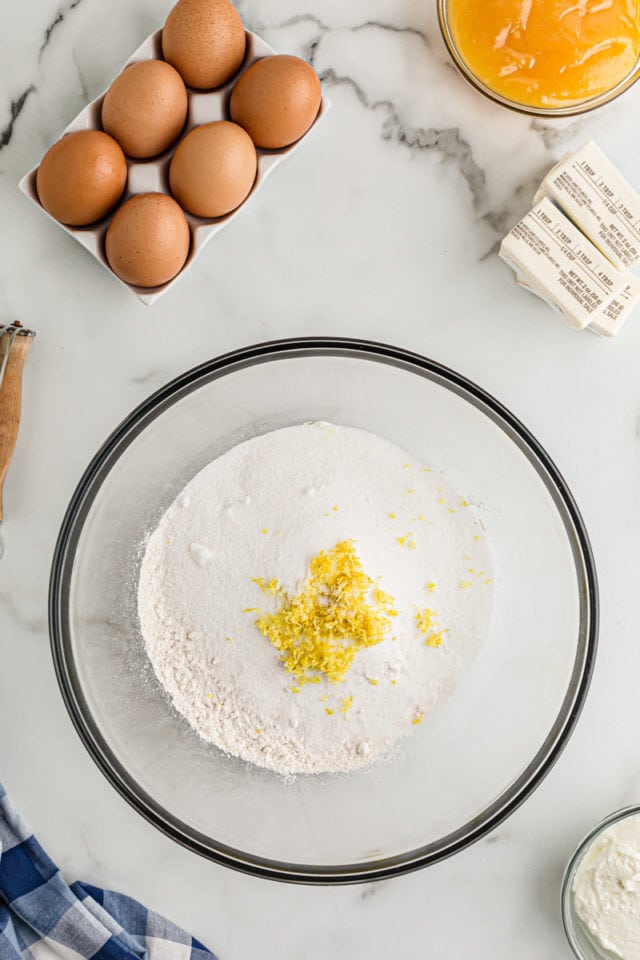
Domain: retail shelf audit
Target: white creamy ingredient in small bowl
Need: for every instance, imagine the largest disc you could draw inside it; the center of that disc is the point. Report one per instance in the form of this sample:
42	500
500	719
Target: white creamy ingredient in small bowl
606	888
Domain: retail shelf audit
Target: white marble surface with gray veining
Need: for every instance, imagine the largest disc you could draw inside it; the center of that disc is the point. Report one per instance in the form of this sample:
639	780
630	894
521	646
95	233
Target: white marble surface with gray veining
384	226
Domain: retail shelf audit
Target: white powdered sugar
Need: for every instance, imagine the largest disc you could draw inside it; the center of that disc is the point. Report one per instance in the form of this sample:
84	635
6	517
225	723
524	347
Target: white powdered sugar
264	510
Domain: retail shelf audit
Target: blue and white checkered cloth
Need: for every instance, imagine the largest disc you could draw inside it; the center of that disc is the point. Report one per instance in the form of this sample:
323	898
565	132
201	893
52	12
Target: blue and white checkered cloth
41	918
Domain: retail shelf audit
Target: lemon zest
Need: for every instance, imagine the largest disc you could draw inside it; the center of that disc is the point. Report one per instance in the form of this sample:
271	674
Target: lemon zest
427	624
338	612
346	704
408	539
269	587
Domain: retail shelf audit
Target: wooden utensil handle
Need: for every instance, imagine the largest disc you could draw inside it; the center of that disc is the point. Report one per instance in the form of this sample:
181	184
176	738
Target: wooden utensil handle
11	403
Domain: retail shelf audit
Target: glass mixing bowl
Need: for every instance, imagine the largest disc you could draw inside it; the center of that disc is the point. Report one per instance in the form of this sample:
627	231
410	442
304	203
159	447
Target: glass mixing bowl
571	109
461	773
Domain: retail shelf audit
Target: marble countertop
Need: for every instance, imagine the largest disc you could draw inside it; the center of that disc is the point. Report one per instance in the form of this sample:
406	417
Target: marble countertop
383	226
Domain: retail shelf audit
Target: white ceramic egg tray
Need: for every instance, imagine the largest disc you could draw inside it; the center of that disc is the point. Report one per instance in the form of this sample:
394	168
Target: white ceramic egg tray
153	175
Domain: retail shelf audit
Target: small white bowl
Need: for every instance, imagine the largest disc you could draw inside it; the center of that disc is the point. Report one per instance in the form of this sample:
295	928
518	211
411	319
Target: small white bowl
584	946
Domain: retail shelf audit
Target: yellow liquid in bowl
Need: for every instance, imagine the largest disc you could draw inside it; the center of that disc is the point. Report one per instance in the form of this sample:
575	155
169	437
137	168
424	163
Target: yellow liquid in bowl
547	53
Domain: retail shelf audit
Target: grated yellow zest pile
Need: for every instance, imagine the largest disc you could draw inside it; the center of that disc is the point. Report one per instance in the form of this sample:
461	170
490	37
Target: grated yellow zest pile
339	611
427	623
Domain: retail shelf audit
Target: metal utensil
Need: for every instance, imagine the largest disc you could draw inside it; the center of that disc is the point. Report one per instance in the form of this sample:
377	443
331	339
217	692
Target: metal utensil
15	343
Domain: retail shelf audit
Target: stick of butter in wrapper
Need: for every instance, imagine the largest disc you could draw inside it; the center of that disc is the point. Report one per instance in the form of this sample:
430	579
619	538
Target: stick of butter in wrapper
594	194
613	317
570	272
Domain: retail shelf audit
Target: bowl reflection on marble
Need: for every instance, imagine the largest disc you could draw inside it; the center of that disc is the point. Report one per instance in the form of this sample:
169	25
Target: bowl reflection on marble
572	109
478	756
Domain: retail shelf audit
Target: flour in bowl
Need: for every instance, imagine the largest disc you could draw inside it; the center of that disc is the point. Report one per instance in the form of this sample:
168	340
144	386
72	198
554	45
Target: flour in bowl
311	596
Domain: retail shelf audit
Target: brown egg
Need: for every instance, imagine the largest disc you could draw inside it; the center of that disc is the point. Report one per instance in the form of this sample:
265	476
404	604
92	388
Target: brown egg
81	177
145	108
205	41
213	169
276	100
148	240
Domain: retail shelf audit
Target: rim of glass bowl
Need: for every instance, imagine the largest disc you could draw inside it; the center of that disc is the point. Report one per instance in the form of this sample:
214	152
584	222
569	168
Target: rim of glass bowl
61	572
572	110
568	913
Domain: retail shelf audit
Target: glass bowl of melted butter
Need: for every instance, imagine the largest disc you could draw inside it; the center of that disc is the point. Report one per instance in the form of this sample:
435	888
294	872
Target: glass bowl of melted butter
555	58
